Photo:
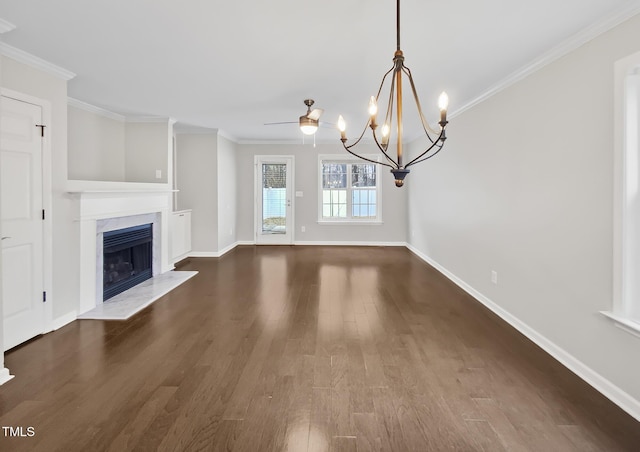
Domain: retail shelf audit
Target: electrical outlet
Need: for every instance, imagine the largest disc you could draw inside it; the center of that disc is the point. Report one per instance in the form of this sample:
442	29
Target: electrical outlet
494	277
303	229
158	174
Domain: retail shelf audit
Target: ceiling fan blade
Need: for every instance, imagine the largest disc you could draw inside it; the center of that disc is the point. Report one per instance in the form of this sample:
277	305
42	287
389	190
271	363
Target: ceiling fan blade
315	114
277	123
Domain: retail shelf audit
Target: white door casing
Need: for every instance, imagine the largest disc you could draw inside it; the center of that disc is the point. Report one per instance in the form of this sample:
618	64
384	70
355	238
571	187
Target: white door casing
274	209
21	176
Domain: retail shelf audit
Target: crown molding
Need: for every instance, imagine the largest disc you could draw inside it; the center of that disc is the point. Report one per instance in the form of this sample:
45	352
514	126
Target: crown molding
190	129
227	136
6	26
182	128
36	62
149	120
572	43
95	110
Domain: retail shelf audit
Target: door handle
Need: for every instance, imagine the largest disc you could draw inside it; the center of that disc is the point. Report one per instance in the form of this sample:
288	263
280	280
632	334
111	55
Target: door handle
5	238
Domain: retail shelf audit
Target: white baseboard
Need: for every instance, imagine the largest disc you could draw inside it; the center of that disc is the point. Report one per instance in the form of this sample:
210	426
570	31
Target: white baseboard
312	243
5	375
601	384
203	254
348	243
61	321
225	250
220	253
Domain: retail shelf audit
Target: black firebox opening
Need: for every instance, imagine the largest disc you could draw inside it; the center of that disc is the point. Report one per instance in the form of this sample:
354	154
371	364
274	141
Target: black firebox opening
127	258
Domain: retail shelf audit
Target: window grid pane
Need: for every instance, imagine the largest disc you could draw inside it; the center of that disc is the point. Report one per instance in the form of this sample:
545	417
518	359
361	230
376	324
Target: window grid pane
334	175
334	203
363	175
363	204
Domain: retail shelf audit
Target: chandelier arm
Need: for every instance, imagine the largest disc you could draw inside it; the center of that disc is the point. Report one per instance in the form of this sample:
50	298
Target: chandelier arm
425	124
384	77
417	159
369	121
393	163
364	130
388	119
368	160
432	155
389	112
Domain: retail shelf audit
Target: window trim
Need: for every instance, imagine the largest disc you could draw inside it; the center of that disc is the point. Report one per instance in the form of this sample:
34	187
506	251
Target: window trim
349	159
625	306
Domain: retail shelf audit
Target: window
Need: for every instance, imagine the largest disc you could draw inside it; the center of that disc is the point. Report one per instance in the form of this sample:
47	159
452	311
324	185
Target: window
349	190
626	265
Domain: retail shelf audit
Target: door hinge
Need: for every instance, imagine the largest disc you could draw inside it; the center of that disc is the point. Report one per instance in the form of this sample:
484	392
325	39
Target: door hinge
42	126
43	214
44	297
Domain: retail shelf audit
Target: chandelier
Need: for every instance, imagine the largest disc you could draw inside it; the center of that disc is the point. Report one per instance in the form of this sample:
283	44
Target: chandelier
436	139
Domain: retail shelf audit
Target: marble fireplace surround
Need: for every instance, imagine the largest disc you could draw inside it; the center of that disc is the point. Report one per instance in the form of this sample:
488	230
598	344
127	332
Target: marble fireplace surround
108	206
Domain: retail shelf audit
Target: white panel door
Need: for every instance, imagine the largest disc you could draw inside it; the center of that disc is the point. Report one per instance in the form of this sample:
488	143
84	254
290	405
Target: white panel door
274	202
21	216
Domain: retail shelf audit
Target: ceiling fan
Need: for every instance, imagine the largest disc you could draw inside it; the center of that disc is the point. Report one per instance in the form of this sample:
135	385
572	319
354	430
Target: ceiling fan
308	122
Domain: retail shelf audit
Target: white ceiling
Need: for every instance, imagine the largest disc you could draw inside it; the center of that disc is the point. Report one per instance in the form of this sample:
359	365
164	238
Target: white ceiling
234	65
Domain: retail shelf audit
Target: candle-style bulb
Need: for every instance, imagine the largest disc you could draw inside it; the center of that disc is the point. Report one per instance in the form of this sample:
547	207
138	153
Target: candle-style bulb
385	130
443	101
373	106
385	134
443	104
342	126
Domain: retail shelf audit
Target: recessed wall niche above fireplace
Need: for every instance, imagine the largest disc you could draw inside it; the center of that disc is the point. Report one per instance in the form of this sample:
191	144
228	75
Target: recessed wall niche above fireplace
127	259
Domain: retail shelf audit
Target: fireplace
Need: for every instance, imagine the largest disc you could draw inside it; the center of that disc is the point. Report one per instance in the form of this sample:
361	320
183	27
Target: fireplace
127	258
108	206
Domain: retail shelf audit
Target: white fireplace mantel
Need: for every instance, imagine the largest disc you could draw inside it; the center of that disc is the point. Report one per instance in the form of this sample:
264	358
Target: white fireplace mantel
119	203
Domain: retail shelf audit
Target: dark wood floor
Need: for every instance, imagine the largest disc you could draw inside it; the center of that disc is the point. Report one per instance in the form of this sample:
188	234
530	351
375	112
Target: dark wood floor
304	349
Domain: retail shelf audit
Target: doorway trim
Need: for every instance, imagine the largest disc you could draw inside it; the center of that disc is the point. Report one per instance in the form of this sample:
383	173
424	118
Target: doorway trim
47	202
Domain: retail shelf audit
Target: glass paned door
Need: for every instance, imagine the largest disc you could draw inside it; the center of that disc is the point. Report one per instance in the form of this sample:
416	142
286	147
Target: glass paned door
274	219
274	198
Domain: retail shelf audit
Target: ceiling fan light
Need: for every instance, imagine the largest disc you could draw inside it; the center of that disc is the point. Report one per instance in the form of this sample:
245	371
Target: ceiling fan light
308	130
308	126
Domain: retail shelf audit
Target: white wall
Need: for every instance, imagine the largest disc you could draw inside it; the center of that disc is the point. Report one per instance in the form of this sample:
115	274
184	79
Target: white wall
197	167
524	187
64	292
96	146
226	181
393	229
148	147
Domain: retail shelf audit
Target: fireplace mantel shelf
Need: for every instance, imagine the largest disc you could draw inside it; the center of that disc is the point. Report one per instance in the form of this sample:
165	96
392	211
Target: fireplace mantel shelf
121	191
106	187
